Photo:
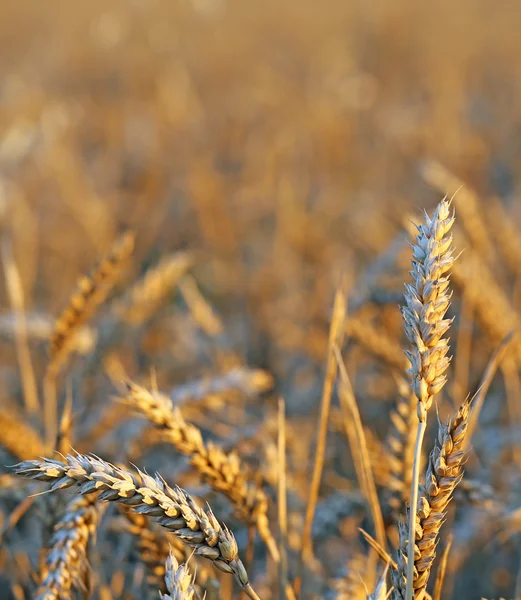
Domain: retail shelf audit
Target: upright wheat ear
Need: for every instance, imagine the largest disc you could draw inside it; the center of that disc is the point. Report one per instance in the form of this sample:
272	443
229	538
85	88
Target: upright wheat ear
426	302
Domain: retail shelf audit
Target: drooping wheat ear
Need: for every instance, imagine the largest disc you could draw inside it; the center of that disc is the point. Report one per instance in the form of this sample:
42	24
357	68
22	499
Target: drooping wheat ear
174	508
152	290
66	564
444	472
179	581
426	302
222	471
92	291
400	449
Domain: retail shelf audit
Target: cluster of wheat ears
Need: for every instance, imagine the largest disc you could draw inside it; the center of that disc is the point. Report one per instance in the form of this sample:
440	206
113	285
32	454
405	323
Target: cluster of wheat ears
416	495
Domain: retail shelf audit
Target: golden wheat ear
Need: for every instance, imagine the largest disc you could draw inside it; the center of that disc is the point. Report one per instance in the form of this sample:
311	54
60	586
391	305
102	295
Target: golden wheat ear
174	508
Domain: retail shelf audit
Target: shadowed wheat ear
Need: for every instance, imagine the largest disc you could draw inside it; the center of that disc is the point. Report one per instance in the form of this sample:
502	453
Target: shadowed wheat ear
444	472
179	581
174	508
91	292
221	470
426	302
152	290
66	564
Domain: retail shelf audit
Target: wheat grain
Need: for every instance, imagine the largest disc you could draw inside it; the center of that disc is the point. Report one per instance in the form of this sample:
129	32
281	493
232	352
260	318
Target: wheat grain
173	507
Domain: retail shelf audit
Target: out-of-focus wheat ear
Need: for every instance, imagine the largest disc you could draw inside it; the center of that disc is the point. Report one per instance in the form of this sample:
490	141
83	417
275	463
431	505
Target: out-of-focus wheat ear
91	292
200	309
174	508
15	291
223	471
66	563
179	581
467	204
377	342
147	295
427	300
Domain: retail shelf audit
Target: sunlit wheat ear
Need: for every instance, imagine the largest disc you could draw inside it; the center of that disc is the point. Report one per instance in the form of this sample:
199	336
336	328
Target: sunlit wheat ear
223	471
66	564
444	473
179	581
427	300
174	508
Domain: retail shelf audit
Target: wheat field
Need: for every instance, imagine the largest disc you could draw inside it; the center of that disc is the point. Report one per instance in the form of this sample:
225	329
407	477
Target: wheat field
260	322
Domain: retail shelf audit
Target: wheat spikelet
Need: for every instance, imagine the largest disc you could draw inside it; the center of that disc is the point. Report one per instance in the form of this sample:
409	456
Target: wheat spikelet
223	471
174	508
66	564
92	291
147	294
444	472
505	233
179	581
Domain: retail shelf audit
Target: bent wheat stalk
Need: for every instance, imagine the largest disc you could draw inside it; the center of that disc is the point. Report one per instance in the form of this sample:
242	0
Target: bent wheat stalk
427	300
174	508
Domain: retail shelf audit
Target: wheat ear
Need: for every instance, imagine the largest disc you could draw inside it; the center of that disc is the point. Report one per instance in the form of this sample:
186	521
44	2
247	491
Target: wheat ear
174	508
426	302
179	581
92	291
66	564
444	472
222	471
148	293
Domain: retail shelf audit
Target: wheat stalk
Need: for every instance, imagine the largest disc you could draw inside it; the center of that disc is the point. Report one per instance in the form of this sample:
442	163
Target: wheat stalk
223	471
444	472
426	302
66	564
174	508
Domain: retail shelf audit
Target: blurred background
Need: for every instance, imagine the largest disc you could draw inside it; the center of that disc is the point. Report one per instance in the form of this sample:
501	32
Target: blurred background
283	144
